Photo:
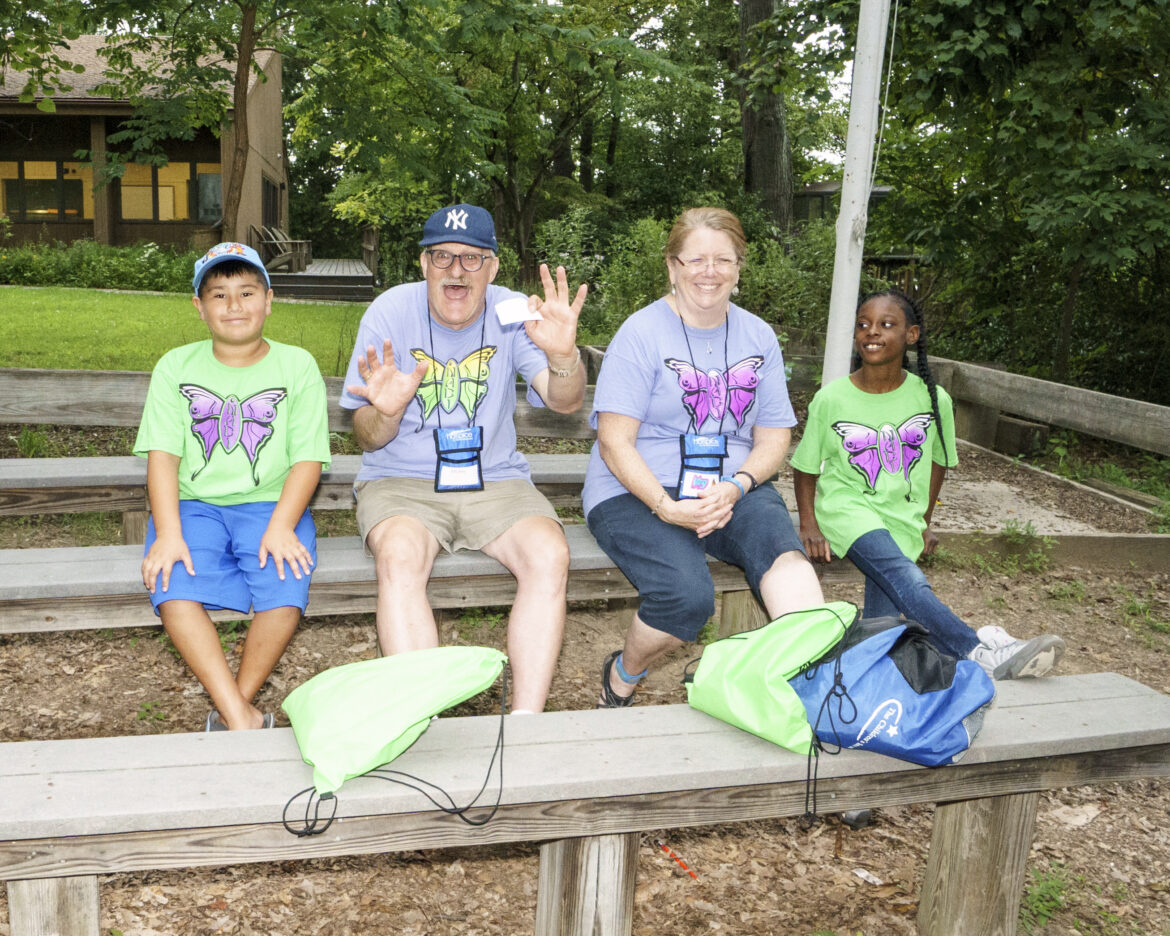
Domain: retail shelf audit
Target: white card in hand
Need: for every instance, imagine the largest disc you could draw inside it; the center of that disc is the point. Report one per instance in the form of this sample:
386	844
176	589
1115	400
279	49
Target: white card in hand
514	310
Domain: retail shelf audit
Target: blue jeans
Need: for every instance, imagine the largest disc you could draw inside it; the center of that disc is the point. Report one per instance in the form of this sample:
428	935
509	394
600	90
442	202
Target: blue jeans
895	585
668	564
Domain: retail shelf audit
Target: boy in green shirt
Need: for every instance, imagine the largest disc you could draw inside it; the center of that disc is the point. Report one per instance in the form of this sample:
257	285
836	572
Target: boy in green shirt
235	433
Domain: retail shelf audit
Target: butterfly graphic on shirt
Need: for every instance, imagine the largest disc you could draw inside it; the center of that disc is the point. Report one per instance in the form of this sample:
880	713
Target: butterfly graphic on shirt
711	394
886	448
456	383
229	421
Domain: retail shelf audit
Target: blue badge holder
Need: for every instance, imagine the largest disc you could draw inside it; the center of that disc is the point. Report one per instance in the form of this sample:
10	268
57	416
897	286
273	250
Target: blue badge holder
702	463
457	459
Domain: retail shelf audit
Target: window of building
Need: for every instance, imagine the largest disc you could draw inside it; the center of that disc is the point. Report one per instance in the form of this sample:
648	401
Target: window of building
209	193
137	191
167	193
45	191
270	208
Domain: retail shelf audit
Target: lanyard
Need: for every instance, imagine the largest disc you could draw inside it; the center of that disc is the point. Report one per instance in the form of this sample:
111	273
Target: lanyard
458	376
691	354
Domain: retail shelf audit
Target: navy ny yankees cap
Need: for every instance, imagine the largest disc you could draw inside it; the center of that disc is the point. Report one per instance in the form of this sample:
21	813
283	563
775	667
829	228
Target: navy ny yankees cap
460	224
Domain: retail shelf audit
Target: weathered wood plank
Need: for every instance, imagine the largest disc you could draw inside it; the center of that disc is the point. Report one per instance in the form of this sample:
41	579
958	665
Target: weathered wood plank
224	845
100	786
975	873
585	886
54	907
116	398
88	587
118	482
1132	422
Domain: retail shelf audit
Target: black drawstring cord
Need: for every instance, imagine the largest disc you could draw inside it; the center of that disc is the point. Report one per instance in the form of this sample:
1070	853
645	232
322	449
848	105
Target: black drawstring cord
313	805
392	776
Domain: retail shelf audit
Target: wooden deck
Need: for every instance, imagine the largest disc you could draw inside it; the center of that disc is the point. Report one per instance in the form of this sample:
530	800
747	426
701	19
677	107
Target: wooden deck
335	268
337	279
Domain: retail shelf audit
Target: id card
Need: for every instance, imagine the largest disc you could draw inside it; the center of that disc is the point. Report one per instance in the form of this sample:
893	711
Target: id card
702	463
457	459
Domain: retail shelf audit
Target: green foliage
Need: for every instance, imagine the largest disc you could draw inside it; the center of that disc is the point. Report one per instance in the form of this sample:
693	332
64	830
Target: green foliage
151	711
88	264
634	275
1142	612
1045	893
32	443
1020	550
471	619
1073	592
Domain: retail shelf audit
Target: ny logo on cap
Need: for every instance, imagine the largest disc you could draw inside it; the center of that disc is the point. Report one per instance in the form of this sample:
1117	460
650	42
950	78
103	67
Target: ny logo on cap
456	219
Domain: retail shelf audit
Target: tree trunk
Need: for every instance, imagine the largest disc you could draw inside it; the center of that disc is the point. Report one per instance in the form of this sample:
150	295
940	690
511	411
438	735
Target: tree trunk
767	157
585	170
562	153
615	125
235	186
1060	356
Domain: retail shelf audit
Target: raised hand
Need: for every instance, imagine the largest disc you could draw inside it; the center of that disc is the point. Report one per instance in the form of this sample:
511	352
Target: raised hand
387	389
556	333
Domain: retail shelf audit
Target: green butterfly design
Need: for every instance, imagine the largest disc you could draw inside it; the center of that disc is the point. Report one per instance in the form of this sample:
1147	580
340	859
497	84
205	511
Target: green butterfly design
453	384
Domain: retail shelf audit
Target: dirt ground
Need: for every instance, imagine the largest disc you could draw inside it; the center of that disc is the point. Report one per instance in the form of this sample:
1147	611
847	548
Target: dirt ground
1100	863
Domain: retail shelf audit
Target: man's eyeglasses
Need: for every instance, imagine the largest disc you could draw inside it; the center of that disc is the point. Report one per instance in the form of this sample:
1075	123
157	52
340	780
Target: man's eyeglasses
700	264
470	262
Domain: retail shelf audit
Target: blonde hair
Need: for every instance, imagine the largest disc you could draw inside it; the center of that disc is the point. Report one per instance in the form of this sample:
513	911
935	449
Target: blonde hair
717	219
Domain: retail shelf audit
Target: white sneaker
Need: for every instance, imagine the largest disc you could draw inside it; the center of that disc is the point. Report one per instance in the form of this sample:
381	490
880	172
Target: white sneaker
1015	659
992	635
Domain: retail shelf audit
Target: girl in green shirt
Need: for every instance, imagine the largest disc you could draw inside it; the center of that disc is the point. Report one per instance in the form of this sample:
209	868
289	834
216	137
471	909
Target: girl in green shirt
868	472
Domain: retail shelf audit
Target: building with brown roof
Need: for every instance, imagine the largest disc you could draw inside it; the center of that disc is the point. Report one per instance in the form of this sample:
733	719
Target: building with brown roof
49	194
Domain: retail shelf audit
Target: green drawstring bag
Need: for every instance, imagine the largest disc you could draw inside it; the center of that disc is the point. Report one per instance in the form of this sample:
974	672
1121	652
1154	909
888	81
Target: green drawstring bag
353	718
743	679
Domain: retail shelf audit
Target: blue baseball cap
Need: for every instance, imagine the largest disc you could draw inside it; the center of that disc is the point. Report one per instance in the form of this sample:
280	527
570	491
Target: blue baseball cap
460	224
222	253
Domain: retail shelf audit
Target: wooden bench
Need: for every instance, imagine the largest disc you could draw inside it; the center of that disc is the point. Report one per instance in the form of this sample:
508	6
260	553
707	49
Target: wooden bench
118	483
280	250
584	784
93	587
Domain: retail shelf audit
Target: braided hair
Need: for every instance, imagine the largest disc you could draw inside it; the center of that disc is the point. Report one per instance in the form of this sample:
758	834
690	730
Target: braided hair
913	313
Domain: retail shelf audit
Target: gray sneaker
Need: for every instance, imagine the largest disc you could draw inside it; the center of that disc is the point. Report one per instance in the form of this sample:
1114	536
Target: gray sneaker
215	722
1004	657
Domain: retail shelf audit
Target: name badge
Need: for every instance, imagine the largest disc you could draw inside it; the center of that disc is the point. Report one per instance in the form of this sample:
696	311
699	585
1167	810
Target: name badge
457	459
702	463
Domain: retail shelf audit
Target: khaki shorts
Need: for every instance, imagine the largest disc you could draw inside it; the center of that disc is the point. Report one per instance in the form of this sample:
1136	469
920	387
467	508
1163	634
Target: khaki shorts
457	519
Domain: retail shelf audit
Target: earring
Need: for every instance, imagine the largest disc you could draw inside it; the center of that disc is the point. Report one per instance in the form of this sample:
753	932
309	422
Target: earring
672	289
735	290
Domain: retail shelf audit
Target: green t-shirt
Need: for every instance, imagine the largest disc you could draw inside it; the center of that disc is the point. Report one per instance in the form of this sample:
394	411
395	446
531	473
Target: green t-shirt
873	453
237	430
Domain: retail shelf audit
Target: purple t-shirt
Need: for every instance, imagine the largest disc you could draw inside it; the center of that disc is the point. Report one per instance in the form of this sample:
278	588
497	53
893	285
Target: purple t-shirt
471	381
676	380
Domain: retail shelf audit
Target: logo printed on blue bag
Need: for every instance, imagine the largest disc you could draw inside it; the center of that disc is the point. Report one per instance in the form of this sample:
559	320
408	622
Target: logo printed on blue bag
888	715
460	435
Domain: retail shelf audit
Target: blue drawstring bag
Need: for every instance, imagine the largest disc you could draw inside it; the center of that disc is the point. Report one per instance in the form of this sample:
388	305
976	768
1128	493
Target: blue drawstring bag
886	688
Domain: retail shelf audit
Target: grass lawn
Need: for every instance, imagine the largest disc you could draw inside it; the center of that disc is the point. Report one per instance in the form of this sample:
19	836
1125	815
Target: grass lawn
90	329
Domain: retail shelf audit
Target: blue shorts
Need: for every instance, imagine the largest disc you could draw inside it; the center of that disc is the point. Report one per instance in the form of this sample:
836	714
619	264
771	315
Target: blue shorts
225	549
668	564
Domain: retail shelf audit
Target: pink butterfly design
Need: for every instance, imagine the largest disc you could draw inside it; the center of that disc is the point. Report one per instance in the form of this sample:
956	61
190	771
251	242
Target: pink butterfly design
232	421
714	393
884	448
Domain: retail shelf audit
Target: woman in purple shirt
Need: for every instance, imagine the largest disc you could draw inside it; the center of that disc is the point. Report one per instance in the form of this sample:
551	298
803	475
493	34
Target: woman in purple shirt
692	418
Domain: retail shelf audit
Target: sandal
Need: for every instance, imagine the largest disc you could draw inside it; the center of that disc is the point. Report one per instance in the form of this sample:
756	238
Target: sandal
609	698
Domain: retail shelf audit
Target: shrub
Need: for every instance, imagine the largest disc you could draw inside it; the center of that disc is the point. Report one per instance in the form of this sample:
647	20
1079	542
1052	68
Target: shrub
90	265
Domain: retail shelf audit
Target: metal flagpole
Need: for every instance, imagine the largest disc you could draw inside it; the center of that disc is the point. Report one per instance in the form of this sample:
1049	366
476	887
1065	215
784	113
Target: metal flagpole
872	25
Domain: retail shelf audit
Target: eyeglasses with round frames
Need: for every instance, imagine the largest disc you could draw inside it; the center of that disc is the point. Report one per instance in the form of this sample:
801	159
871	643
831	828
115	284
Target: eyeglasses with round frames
471	262
700	264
